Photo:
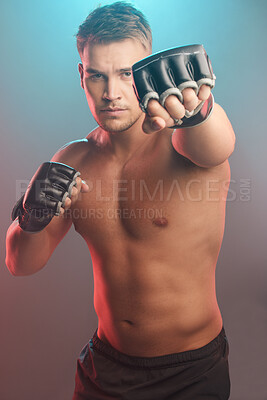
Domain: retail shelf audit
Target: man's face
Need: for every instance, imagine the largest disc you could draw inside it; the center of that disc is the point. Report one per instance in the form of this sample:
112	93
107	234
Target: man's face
107	80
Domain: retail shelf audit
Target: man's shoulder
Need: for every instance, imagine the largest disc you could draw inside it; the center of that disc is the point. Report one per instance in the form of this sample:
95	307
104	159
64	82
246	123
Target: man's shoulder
74	145
81	152
71	151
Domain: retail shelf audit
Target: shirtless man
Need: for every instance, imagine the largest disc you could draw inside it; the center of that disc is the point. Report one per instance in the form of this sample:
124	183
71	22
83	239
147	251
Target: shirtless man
150	204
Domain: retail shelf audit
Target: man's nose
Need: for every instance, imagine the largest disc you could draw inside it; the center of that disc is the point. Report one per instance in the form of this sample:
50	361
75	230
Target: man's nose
112	90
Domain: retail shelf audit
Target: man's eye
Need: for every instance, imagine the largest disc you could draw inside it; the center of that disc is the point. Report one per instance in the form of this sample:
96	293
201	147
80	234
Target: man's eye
127	74
96	77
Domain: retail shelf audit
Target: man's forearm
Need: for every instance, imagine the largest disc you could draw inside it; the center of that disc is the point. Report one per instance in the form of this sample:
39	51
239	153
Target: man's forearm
26	253
208	144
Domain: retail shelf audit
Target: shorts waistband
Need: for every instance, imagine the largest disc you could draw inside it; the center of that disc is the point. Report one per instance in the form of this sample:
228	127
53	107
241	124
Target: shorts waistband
158	361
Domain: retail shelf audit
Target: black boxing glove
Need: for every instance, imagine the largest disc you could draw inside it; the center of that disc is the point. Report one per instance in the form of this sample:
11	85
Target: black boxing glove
168	73
47	192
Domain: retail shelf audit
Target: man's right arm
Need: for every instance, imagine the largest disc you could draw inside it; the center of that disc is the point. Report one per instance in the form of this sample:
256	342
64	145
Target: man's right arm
27	253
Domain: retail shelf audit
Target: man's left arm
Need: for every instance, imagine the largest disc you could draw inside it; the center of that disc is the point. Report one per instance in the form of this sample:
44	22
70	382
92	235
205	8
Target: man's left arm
208	144
174	90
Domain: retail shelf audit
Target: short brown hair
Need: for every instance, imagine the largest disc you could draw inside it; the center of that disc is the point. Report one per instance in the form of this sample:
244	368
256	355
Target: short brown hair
114	22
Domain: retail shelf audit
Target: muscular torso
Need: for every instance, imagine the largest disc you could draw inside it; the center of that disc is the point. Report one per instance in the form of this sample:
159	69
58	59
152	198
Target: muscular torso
154	227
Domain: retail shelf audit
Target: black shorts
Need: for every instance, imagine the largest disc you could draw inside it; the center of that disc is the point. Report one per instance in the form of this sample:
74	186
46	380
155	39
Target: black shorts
201	374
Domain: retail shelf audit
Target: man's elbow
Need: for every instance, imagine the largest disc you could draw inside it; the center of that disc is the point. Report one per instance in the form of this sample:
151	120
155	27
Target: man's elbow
214	159
18	269
12	267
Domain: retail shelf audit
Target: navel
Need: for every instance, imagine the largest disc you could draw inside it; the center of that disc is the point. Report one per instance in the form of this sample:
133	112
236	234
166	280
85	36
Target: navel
128	322
161	222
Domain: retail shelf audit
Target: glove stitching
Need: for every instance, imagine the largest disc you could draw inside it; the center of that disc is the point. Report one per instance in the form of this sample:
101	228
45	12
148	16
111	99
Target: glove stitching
168	56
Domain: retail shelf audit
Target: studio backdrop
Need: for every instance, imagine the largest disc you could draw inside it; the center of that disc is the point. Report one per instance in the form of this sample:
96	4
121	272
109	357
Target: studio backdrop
47	317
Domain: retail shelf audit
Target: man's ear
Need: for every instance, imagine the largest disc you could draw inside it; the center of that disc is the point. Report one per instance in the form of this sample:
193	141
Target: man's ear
80	68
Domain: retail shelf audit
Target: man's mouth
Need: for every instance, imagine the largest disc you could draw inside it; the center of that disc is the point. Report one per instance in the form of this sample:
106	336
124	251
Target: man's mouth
113	111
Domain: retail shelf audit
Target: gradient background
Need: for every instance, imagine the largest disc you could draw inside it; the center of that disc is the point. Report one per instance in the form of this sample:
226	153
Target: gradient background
46	318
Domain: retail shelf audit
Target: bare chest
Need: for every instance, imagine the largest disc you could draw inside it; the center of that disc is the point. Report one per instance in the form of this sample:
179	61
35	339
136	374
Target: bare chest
147	196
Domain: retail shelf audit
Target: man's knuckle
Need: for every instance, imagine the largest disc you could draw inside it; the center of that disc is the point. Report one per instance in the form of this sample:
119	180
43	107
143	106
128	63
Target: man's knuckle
67	202
74	191
189	95
180	113
171	101
153	106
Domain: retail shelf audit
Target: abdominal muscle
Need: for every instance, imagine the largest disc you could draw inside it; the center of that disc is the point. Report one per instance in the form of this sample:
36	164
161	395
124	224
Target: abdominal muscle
147	307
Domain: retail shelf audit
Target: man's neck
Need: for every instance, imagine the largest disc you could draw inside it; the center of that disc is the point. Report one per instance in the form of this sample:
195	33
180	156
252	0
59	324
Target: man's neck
122	145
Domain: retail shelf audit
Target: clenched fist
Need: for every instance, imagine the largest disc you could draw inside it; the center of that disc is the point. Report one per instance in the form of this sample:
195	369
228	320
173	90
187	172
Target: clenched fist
53	188
174	87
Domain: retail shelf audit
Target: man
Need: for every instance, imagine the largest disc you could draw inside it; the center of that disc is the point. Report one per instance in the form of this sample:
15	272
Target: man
150	204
